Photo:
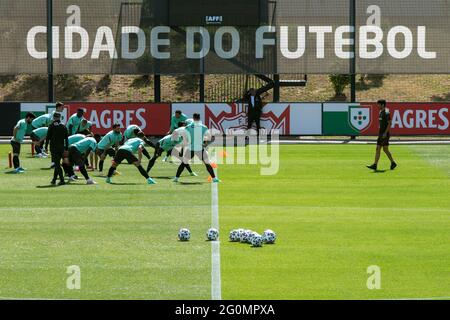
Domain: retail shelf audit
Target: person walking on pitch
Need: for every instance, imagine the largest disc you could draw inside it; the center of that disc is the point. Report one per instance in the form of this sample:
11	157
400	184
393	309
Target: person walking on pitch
384	135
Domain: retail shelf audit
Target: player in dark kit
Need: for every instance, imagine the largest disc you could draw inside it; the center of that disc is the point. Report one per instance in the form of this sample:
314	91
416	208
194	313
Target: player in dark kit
383	136
58	137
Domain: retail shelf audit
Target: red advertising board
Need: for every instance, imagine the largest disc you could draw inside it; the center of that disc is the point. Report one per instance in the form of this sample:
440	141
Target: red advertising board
413	118
152	118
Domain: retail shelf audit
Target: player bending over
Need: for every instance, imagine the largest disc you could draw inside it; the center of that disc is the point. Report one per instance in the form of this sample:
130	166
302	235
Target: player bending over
78	153
127	152
167	144
42	121
198	137
108	145
38	138
383	135
132	131
19	132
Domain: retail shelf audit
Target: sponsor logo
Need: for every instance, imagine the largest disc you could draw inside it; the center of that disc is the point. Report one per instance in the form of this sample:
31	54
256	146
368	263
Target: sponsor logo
235	121
214	19
360	118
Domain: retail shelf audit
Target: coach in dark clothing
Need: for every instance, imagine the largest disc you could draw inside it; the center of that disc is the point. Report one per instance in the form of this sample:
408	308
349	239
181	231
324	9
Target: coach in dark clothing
58	137
254	103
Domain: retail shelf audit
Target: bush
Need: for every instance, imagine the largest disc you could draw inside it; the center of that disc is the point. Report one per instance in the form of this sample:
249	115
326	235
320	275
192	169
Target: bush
339	82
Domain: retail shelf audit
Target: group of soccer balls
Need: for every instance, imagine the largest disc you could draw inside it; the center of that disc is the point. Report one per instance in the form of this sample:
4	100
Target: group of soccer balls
252	237
212	234
237	235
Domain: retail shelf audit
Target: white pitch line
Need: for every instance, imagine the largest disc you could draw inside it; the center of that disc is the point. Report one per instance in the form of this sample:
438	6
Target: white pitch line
216	288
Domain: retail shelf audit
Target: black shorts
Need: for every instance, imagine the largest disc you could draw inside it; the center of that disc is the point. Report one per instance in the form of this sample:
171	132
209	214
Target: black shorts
158	150
123	154
110	152
85	132
75	156
34	137
383	141
16	147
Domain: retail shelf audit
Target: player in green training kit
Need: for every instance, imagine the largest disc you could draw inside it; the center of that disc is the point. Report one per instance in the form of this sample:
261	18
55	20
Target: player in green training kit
108	144
177	118
38	136
78	153
383	136
198	136
19	132
126	152
74	122
131	132
167	144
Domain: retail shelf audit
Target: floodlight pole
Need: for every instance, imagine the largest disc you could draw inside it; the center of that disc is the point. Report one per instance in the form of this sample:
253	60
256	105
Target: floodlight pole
353	50
50	84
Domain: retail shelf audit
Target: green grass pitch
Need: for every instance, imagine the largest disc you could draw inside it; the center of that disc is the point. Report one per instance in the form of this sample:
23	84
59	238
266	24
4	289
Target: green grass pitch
333	217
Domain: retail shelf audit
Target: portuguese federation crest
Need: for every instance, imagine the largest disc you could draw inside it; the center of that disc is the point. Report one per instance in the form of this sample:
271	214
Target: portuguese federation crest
360	117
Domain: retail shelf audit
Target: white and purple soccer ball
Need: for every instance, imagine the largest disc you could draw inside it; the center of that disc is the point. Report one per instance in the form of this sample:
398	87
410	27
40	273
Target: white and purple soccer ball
234	236
257	240
212	234
269	236
252	234
184	234
245	236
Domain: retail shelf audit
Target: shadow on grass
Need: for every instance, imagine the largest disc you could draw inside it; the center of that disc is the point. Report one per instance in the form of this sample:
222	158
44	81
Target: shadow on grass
11	172
191	183
165	178
379	171
125	184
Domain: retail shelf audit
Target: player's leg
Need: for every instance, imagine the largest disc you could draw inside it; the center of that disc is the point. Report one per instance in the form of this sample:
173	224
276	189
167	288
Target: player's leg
36	143
68	167
102	155
374	166
16	153
132	159
152	161
77	158
204	156
389	155
258	125
119	156
58	172
179	156
184	162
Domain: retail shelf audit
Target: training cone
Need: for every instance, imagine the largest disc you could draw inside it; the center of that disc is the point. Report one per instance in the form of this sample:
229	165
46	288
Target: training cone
214	165
209	179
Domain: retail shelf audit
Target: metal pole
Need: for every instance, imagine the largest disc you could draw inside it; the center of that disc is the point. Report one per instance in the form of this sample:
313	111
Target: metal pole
51	94
157	88
353	47
202	87
276	88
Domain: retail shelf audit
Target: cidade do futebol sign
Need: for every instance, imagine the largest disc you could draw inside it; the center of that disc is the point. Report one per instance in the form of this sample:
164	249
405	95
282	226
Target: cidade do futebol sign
381	41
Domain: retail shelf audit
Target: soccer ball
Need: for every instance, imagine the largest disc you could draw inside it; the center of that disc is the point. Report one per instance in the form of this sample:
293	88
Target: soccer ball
234	236
257	240
245	235
269	236
240	232
212	234
252	234
184	234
